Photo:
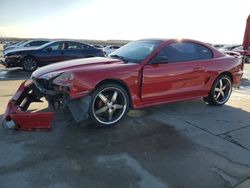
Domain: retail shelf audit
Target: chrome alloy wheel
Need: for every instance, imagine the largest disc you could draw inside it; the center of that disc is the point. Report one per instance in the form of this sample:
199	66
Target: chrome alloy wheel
29	63
109	105
222	90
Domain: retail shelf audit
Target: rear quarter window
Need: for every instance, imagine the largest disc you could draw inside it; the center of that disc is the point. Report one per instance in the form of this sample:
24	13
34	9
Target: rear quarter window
187	51
204	52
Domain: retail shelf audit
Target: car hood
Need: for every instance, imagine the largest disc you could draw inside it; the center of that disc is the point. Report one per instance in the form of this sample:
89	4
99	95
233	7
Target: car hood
74	65
19	49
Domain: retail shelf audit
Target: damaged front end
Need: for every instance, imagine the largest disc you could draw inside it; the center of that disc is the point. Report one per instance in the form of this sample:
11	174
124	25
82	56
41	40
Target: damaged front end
59	91
17	115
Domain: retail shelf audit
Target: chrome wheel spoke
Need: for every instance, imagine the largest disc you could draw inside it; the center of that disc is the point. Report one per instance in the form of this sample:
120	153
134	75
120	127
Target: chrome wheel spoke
221	84
225	86
114	96
217	96
222	93
110	112
117	106
101	110
217	89
103	98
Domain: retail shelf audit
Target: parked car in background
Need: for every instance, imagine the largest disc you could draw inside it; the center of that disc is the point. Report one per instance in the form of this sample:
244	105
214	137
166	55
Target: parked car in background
228	47
25	44
218	45
55	51
140	74
240	50
110	48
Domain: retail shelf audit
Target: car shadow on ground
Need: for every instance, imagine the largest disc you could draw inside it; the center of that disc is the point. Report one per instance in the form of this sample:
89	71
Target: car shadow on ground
142	148
215	120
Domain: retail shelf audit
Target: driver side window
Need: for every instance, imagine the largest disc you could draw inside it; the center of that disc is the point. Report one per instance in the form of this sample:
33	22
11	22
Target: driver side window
54	46
165	55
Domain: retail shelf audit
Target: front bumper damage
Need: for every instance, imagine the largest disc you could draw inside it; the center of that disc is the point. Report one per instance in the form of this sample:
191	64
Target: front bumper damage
17	115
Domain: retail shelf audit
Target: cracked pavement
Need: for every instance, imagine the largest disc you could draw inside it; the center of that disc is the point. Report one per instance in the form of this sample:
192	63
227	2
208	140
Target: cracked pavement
182	144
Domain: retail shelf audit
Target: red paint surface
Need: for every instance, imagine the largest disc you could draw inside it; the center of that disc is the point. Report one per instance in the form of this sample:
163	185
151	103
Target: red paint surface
23	119
30	121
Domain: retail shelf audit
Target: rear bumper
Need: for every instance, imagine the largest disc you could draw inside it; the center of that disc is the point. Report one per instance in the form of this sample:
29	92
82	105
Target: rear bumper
237	78
16	114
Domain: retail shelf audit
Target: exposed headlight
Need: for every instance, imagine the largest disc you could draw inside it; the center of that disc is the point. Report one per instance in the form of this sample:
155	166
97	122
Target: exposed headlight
64	79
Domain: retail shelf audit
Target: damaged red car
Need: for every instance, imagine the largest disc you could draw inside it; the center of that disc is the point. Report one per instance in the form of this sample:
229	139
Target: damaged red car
139	74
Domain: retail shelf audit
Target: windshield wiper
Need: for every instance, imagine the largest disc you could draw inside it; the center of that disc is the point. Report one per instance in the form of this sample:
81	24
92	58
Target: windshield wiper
119	57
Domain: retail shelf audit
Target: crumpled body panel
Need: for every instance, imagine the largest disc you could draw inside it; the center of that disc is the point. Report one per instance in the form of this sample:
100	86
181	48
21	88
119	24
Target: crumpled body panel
16	114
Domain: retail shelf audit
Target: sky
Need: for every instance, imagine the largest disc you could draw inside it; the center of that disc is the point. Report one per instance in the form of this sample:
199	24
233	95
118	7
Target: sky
213	21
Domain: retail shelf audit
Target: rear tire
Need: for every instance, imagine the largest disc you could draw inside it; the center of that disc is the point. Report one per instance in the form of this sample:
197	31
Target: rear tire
220	91
29	63
109	104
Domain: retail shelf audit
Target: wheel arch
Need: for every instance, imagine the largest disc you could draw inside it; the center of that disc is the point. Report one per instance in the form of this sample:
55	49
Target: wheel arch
119	82
226	73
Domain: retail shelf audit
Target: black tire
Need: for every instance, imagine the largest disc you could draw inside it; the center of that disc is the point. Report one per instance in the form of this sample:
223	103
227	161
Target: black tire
220	91
109	104
29	63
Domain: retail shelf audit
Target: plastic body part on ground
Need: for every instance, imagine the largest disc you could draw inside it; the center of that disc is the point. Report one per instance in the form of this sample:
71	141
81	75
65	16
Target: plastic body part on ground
17	115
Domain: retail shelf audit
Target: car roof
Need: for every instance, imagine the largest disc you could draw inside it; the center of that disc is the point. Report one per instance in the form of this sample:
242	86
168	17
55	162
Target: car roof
53	41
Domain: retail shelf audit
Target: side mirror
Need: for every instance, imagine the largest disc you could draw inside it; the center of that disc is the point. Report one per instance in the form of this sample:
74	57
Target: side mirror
48	49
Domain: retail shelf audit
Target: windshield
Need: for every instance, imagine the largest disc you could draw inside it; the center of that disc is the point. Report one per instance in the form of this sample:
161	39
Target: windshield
137	51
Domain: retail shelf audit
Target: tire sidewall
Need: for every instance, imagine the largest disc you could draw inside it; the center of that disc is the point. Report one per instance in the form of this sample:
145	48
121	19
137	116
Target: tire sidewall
93	97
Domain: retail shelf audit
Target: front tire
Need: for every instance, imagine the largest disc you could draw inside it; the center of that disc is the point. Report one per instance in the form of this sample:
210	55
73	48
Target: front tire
109	104
29	63
220	91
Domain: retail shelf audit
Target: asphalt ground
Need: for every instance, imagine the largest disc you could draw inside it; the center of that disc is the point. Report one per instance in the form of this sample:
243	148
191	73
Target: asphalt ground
182	144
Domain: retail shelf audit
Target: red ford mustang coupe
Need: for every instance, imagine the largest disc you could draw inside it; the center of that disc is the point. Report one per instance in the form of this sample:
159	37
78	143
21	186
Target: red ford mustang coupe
139	74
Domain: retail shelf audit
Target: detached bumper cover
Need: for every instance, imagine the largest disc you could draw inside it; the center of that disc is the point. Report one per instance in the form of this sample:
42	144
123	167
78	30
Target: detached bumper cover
17	116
